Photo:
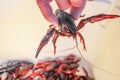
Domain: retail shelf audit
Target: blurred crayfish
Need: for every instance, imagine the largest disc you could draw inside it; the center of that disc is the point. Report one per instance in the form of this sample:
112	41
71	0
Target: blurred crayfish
55	69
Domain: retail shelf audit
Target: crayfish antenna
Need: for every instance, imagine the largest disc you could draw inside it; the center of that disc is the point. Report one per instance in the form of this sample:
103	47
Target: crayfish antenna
97	67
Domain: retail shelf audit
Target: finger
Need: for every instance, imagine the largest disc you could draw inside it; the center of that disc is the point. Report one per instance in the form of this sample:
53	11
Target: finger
77	3
47	11
76	10
63	4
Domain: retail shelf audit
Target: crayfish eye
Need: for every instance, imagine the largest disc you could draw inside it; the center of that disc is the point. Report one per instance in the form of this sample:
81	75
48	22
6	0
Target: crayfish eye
59	12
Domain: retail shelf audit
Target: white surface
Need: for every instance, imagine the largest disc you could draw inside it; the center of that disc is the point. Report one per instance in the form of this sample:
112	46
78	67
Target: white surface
22	26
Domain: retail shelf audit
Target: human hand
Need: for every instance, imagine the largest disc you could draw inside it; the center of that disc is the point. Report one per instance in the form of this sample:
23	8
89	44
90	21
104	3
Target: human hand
76	7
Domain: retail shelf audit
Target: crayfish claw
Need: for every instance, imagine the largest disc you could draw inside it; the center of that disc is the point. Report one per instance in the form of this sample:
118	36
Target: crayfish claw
95	18
45	40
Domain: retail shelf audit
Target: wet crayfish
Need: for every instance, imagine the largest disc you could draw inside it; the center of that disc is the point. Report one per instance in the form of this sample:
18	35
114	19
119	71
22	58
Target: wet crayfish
67	68
68	28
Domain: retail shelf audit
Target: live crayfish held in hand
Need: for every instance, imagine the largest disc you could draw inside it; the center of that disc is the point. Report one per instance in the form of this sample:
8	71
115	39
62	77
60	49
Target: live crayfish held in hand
68	28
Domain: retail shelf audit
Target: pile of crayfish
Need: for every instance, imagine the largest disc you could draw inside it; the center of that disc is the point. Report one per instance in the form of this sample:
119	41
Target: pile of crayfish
66	68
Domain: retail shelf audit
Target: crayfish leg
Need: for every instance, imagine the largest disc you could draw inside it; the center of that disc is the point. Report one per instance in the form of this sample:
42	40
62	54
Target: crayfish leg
54	42
82	41
95	18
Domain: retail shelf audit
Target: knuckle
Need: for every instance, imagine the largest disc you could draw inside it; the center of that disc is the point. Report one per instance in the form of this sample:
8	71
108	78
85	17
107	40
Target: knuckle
78	3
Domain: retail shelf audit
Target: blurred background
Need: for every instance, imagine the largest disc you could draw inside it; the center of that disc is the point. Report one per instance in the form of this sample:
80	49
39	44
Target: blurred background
22	26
